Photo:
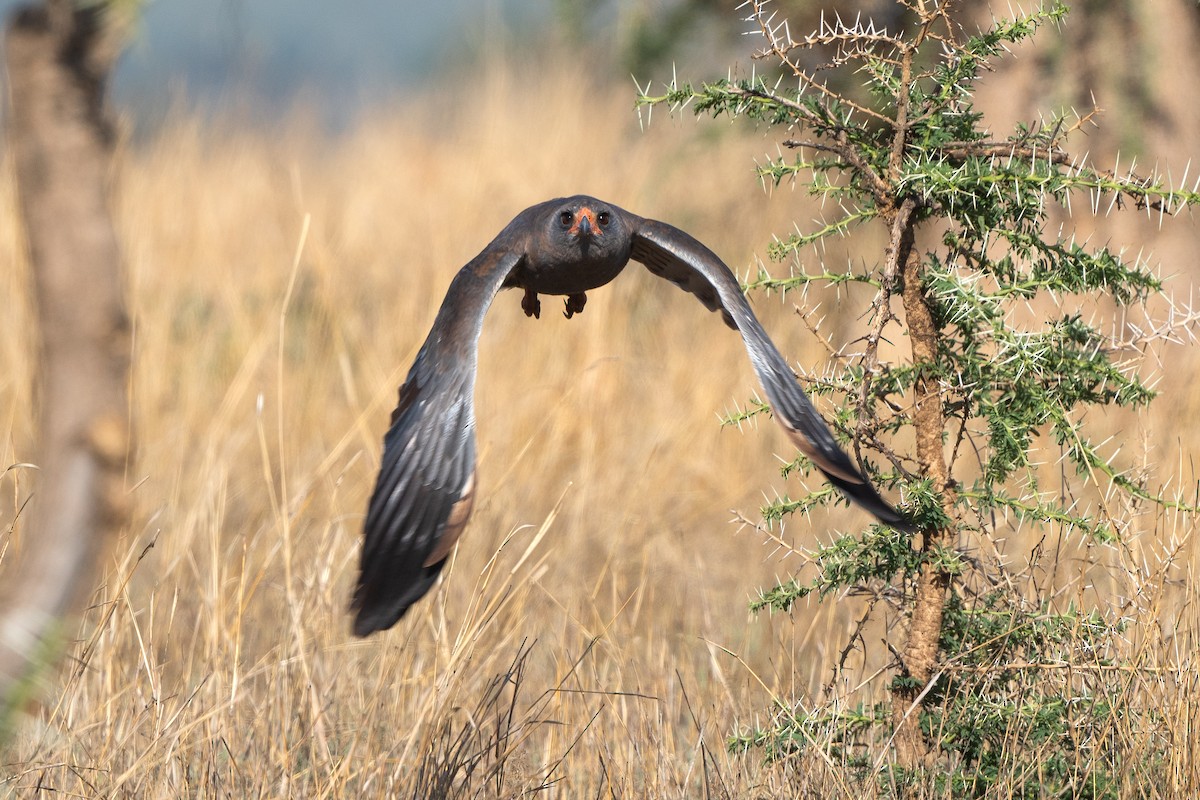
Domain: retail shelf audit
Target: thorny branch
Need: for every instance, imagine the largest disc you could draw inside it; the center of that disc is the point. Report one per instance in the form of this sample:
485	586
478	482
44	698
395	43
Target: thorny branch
780	44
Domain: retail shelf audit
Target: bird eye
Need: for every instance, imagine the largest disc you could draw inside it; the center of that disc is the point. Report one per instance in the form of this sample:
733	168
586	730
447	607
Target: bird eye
566	218
603	218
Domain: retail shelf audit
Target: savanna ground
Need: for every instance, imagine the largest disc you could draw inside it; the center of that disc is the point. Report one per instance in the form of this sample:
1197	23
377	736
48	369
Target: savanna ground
593	626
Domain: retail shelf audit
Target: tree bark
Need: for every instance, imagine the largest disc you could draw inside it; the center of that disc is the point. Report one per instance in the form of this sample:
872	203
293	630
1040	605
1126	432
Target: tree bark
61	143
925	626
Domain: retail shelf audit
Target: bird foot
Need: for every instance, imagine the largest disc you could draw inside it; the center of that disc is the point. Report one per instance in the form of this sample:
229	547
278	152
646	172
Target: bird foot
531	305
575	304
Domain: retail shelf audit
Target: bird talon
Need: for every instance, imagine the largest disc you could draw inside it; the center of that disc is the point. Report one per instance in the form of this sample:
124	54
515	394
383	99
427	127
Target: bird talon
575	304
531	305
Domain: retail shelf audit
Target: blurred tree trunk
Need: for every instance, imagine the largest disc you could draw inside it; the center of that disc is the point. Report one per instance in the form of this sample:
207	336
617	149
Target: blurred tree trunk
58	56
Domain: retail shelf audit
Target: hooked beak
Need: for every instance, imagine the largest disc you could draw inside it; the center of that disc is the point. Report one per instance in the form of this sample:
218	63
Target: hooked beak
585	225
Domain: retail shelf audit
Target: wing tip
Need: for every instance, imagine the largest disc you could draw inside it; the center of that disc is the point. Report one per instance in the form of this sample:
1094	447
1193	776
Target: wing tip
377	606
864	495
369	622
370	614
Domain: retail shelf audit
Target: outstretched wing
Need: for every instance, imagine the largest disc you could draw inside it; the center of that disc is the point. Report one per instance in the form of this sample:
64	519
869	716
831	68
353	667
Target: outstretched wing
673	254
423	496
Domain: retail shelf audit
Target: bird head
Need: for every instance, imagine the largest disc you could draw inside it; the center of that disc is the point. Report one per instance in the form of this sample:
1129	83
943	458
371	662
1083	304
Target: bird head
587	224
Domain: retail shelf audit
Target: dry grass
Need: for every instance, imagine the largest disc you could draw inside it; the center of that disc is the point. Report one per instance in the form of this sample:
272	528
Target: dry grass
591	637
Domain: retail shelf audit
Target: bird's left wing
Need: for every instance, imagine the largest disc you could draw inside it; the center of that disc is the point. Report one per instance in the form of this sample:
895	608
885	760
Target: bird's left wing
678	257
424	492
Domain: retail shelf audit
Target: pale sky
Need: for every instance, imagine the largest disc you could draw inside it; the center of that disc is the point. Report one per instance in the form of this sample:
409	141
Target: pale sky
341	55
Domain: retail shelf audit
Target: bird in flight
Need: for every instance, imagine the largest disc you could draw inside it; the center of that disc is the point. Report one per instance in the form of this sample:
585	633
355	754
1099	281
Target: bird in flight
568	246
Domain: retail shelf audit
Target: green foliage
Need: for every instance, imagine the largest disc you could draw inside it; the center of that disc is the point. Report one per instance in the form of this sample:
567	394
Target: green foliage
841	731
1026	691
1043	674
1014	368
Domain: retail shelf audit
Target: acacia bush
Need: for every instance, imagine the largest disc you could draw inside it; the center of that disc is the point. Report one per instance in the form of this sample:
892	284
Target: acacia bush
1003	684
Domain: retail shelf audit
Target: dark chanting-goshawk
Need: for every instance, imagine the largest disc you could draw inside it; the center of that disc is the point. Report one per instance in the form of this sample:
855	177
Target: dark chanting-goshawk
567	246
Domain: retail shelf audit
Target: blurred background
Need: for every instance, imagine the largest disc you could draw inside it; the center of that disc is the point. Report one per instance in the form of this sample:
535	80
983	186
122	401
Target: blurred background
298	183
265	56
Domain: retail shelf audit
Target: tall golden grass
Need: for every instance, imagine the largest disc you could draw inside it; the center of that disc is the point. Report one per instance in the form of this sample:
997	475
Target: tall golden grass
591	636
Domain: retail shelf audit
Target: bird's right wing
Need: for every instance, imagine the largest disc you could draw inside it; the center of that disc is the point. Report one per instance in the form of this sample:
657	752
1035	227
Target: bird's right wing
675	255
424	492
